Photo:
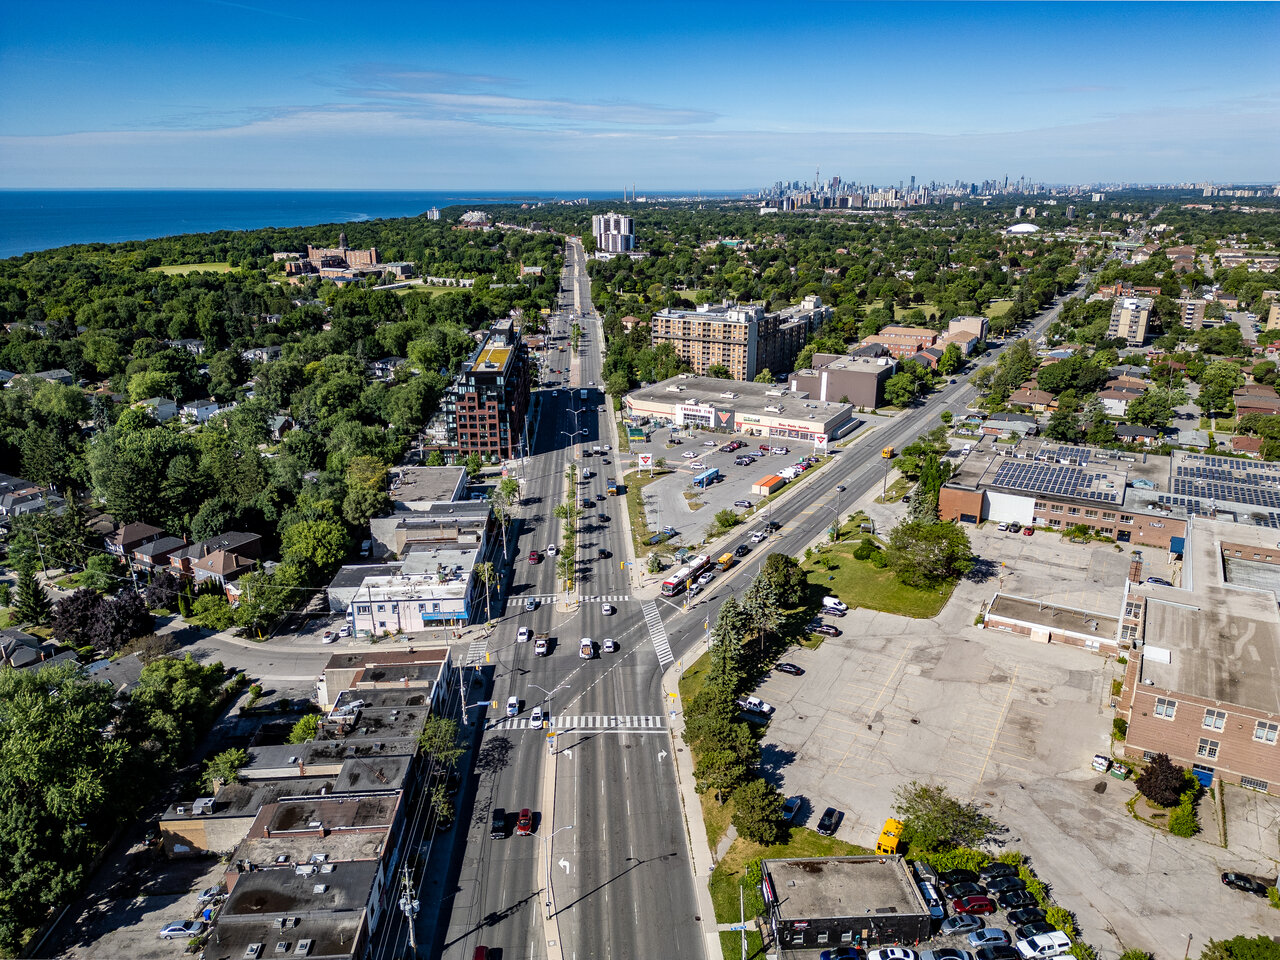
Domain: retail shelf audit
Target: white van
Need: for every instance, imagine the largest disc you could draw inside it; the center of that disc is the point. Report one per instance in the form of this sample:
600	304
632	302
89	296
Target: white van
834	603
1045	945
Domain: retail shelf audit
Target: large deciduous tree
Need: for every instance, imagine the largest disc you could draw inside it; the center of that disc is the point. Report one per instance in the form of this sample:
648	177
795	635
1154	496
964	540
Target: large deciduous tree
935	821
926	554
757	811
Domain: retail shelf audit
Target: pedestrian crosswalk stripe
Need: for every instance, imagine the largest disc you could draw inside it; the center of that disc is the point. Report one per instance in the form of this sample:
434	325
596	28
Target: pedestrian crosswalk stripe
589	721
475	652
612	598
657	633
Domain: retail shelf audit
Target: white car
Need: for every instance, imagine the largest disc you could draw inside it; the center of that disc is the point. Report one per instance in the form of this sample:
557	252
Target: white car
344	631
524	635
688	454
706	578
698	465
182	929
610	645
758	536
834	603
608	609
708	443
892	953
537	717
552	549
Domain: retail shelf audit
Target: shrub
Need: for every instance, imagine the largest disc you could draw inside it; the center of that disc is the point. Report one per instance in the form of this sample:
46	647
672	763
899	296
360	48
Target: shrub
1119	728
1063	919
1035	886
863	551
1183	822
1136	955
879	559
959	858
1162	782
1274	896
1082	951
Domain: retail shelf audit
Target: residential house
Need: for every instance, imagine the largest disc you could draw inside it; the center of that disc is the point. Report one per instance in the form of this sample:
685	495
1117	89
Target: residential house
222	567
279	426
1256	398
1037	400
192	345
129	536
22	651
161	408
202	411
123	673
261	354
1136	433
1115	400
1009	424
59	375
244	546
18	496
1248	446
928	357
155	553
386	368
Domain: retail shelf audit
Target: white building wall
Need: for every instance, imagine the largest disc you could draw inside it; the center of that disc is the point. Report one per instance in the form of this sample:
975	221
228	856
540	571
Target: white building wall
1008	508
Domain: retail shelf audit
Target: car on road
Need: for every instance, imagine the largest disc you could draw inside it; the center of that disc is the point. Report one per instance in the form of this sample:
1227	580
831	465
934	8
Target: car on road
695	589
524	823
688	454
1026	915
498	824
960	923
1013	899
958	891
840	488
790	668
602	554
537	717
1238	881
706	578
758	536
893	953
790	807
523	635
1005	884
995	870
843	953
513	706
602	517
608	609
328	637
182	929
601	497
948	877
1036	929
742	551
824	628
535	556
540	647
587	503
610	645
676	441
998	952
989	937
829	821
744	504
973	904
531	605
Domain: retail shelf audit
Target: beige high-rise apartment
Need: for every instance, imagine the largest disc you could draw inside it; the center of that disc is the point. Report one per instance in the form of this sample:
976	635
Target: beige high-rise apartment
1129	318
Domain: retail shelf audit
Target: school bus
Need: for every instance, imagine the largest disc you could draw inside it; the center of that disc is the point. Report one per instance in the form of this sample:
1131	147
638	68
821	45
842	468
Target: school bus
887	453
725	562
888	842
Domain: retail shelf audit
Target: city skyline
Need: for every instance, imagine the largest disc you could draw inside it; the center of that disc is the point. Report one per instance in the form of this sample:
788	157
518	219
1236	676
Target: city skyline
227	94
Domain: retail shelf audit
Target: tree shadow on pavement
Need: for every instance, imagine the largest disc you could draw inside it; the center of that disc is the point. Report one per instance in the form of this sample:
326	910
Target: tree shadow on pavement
983	569
773	760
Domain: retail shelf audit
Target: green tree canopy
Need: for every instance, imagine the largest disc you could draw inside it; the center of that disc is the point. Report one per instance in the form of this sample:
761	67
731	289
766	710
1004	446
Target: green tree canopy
934	821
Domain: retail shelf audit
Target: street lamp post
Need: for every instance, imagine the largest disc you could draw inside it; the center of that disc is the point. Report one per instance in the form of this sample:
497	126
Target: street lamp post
547	843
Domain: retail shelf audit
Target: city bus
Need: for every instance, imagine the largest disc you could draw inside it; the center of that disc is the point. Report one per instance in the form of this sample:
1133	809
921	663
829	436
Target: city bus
678	581
706	478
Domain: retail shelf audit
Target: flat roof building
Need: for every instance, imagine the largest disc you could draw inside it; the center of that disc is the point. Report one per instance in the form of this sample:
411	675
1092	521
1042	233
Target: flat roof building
854	380
834	901
613	232
754	409
1129	319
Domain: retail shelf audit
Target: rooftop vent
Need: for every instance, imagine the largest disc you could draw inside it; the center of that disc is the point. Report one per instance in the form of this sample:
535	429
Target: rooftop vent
303	948
320	888
253	951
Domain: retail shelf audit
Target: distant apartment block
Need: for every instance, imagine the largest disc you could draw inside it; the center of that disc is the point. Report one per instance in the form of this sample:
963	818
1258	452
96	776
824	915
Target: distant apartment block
1129	319
613	232
740	337
1273	316
903	341
1191	313
485	407
342	262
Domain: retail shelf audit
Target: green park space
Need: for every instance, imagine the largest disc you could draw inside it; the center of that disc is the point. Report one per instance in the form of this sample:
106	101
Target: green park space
635	482
998	308
179	269
859	583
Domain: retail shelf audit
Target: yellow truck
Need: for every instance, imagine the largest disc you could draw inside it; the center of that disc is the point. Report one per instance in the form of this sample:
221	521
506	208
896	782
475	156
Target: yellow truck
725	562
889	840
887	453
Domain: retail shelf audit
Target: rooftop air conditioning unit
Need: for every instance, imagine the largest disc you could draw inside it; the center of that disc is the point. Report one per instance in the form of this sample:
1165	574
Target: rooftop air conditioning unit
303	948
320	888
253	951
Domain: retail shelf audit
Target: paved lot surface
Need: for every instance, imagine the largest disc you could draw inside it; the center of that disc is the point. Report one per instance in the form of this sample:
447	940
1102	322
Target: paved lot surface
1011	725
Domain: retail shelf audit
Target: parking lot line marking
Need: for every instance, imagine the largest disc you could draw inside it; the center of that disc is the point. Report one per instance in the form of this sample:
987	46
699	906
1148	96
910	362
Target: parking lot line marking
995	733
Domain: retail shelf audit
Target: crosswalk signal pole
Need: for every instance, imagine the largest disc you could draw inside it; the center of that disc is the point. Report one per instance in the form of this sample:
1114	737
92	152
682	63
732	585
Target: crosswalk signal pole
409	906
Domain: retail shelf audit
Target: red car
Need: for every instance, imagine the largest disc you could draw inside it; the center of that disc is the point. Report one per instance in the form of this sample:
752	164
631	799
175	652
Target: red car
535	556
524	827
1028	531
973	905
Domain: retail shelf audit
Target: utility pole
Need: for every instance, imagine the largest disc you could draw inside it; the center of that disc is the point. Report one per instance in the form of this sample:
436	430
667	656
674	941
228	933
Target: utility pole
409	906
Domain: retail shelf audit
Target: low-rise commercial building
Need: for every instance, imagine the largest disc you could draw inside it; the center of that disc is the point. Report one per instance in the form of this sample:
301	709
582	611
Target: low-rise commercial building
854	380
819	902
754	409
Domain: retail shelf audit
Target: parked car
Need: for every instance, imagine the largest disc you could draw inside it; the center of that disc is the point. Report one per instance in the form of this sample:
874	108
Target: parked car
1012	899
182	929
1002	526
973	905
893	953
211	894
498	824
688	454
926	873
947	953
344	630
1028	531
1239	881
949	877
524	823
834	603
1029	930
998	952
997	869
961	923
1026	915
934	902
829	821
1005	884
989	937
825	629
958	891
697	465
1159	581
790	668
1046	945
790	808
744	504
843	953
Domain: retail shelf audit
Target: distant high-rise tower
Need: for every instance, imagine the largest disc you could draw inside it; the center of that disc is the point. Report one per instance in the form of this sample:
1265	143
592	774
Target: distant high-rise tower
614	233
913	184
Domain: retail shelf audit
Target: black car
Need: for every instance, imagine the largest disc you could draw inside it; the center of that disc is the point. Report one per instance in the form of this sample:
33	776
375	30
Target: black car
773	526
1026	915
601	497
825	629
602	517
957	876
1005	884
1012	899
498	827
1247	884
742	551
790	668
958	891
1029	930
602	553
993	870
1002	952
831	818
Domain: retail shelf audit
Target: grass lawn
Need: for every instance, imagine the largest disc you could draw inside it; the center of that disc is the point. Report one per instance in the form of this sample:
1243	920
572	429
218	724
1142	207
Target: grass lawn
180	268
998	308
430	291
731	870
5	614
71	581
1221	425
900	312
635	482
859	584
731	945
900	487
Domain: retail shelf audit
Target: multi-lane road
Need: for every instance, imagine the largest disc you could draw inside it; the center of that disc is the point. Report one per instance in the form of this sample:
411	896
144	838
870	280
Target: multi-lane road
600	779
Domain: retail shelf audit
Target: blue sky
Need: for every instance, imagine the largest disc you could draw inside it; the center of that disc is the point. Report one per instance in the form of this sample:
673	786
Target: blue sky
539	95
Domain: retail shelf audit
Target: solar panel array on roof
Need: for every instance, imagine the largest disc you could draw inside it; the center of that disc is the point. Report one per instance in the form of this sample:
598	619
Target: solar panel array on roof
1224	490
1078	455
1053	481
1196	507
1231	463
